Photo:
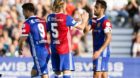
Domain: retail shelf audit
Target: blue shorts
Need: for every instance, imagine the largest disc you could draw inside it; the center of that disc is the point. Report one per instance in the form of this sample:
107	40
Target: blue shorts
61	62
40	57
100	64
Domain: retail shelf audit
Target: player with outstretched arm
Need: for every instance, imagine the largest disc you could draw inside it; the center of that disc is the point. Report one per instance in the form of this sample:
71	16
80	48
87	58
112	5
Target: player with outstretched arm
59	25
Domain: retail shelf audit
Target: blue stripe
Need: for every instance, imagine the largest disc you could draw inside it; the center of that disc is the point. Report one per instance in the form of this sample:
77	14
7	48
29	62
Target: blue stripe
34	54
105	52
70	61
99	64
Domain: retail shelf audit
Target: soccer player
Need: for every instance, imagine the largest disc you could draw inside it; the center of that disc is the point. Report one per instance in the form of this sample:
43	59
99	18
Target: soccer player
34	32
101	30
59	25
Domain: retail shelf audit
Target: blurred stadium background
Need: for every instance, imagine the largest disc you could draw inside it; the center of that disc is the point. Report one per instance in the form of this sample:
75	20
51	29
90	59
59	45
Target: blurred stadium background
125	45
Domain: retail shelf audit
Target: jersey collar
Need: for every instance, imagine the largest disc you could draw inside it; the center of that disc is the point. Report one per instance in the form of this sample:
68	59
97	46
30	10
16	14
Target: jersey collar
32	16
101	17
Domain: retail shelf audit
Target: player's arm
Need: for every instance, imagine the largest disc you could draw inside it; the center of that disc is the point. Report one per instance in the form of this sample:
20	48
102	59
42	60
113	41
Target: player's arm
78	24
48	37
89	26
48	32
84	22
107	30
107	41
134	49
23	37
21	43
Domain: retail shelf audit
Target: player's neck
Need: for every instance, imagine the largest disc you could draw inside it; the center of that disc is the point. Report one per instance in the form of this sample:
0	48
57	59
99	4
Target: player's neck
100	16
31	14
57	11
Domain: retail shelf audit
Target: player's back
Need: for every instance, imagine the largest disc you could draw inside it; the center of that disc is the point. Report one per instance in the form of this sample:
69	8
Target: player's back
60	33
37	31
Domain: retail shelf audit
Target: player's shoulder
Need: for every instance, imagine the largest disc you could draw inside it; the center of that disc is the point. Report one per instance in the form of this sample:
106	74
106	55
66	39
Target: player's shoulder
50	16
41	19
68	16
30	19
61	15
107	22
106	18
26	22
25	25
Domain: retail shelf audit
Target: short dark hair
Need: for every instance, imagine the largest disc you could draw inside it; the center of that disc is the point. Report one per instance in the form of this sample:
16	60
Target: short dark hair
28	6
103	3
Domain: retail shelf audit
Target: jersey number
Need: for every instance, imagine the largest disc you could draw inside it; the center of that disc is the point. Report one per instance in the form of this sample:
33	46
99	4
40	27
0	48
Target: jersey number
41	30
54	30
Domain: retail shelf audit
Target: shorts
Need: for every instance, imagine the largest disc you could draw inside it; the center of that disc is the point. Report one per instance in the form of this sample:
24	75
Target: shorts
40	57
101	64
62	62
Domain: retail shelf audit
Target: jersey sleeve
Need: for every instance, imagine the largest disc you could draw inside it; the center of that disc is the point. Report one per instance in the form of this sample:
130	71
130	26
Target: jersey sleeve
107	26
25	30
70	21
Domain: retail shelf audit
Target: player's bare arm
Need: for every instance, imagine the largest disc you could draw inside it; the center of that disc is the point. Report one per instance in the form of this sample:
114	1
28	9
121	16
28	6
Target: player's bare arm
88	28
21	43
84	17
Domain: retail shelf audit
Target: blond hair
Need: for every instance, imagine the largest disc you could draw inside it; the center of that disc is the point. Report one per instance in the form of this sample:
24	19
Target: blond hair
57	5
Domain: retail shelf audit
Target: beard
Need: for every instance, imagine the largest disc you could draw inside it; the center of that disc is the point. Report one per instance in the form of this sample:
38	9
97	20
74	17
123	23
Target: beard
96	14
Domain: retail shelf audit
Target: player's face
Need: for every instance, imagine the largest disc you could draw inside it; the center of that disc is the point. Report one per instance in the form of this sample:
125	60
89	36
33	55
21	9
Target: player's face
25	13
97	9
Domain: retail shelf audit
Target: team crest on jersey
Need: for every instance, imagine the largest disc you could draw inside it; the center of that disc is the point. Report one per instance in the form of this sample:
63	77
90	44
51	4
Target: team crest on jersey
98	24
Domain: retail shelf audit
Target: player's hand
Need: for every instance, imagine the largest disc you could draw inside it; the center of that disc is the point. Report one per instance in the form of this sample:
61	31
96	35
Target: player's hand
85	16
96	55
